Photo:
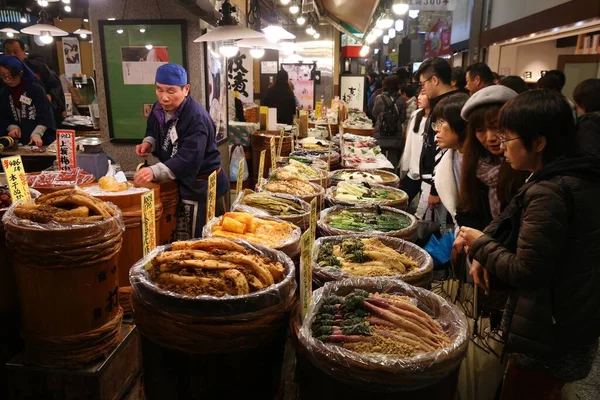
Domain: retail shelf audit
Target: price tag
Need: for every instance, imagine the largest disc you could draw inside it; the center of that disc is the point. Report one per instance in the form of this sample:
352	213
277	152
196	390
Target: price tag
273	154
66	155
329	157
211	201
148	223
313	218
306	244
16	178
318	109
240	177
261	165
280	146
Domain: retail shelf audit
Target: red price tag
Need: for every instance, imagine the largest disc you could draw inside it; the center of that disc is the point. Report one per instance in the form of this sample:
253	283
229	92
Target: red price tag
66	154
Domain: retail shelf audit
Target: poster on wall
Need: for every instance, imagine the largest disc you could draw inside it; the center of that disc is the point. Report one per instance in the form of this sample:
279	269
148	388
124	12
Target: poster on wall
437	39
352	91
140	63
71	56
240	75
216	93
304	86
433	5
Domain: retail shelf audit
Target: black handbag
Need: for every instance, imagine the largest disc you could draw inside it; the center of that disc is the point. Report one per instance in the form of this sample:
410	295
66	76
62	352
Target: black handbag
427	228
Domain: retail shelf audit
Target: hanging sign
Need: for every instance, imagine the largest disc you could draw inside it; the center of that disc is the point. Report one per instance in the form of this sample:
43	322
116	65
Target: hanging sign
240	177
306	243
16	178
433	5
66	154
211	202
148	223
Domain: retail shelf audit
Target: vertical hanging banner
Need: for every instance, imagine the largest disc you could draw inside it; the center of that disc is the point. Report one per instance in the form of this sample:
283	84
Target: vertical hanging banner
240	177
306	244
240	75
71	57
148	223
66	154
16	178
211	201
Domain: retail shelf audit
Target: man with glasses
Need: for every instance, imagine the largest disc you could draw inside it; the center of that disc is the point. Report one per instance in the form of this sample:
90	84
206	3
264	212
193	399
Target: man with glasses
435	77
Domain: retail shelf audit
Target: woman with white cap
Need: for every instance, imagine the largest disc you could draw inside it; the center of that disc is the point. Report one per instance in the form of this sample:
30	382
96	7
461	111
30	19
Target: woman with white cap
182	135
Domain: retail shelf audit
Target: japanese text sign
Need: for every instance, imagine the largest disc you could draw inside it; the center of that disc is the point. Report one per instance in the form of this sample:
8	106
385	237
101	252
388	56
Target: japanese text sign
211	201
16	178
306	244
148	223
66	154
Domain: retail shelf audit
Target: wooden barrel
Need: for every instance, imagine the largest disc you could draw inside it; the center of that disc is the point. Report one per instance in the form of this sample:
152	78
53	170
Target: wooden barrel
68	292
261	140
169	197
130	205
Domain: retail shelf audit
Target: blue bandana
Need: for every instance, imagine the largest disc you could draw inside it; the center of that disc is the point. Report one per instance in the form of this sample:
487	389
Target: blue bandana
171	74
18	64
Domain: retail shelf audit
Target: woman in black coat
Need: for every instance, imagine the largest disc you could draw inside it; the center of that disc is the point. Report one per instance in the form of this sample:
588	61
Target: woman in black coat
281	96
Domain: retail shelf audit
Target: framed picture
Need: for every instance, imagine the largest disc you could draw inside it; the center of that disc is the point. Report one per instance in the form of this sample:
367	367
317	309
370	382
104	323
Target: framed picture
132	51
353	91
216	89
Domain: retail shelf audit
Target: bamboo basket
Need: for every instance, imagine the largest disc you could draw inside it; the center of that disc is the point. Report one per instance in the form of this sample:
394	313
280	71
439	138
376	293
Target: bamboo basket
380	374
401	203
389	179
422	276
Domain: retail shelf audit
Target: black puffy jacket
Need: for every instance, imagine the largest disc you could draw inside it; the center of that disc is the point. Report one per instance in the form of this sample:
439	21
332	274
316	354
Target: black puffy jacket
587	136
553	262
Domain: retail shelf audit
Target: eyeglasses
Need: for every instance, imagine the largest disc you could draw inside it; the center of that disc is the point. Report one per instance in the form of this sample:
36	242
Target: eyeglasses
6	77
437	125
503	138
427	80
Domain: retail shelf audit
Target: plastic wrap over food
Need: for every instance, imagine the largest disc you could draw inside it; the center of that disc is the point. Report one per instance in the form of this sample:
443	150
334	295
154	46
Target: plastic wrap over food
364	194
420	276
376	176
302	219
384	372
242	307
284	188
290	245
95	190
367	220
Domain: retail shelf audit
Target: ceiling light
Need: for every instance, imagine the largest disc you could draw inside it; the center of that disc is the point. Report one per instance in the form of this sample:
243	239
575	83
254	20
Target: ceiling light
86	20
385	22
67	8
23	20
119	31
82	32
142	30
399	25
532	35
364	51
317	35
310	30
386	39
43	3
377	32
294	58
83	35
275	33
294	9
228	48
257	52
111	18
66	1
414	14
370	38
263	43
301	20
228	32
284	2
41	29
149	46
46	38
400	7
10	32
392	33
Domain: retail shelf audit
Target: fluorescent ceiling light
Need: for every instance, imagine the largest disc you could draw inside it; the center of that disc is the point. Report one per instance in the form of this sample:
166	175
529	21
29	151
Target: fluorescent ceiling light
392	33
228	32
400	7
111	18
399	25
386	39
385	22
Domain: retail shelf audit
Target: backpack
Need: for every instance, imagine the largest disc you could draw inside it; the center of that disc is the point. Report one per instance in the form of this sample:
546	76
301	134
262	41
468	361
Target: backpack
390	119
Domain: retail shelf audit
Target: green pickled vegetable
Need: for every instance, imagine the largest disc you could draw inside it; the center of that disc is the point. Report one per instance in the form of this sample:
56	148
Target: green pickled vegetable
367	221
272	204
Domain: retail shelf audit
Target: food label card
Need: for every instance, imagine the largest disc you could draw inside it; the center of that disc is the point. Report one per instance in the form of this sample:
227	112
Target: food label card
211	201
240	177
280	145
16	178
318	109
313	218
329	156
66	155
273	154
261	165
306	271
148	223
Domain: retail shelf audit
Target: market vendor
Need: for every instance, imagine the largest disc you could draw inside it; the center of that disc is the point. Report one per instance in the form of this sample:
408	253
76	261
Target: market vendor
25	111
182	135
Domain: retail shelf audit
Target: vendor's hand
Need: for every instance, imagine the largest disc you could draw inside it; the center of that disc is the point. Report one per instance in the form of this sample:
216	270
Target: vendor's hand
35	139
469	235
481	276
15	133
143	150
143	177
460	246
433	201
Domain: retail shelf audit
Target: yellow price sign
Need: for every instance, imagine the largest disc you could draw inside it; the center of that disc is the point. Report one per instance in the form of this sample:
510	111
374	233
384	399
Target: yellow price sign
16	178
280	146
211	201
318	109
329	157
148	223
240	177
261	165
273	154
306	245
313	218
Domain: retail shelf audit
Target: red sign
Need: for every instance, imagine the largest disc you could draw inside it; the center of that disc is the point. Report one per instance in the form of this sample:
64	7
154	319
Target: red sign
437	41
351	51
66	154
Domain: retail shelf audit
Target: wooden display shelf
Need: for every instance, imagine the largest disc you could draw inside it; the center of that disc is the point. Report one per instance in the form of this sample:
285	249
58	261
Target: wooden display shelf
108	379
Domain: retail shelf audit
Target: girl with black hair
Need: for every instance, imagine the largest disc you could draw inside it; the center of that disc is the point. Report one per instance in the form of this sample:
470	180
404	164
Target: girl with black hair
281	96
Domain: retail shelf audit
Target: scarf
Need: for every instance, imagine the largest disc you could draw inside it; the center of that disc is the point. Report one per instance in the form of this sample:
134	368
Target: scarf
488	174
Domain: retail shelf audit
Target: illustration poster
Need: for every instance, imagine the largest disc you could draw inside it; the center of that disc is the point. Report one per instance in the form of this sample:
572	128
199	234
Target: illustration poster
437	39
217	89
72	57
140	63
304	87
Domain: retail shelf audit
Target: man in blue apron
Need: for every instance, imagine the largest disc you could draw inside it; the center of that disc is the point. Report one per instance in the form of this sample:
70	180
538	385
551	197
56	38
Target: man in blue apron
181	134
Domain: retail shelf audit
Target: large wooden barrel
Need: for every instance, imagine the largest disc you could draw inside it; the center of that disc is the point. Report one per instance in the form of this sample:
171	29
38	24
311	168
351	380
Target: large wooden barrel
261	140
130	205
68	292
169	197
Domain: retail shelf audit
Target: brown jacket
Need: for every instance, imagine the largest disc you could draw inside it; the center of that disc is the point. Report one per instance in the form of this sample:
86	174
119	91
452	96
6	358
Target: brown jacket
546	247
